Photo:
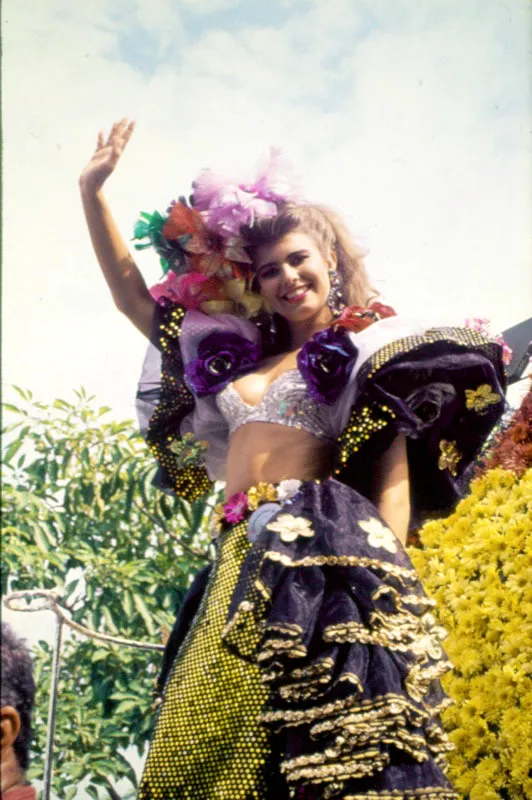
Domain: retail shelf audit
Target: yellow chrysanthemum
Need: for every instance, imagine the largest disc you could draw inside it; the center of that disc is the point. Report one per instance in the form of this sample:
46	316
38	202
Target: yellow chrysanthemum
477	565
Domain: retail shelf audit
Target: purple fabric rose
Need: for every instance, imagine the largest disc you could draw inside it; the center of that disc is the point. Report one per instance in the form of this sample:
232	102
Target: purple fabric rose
325	363
222	357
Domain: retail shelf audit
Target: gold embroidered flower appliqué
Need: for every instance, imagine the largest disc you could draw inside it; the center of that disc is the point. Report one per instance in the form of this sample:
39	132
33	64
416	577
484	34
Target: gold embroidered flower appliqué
379	535
291	528
261	493
479	399
449	456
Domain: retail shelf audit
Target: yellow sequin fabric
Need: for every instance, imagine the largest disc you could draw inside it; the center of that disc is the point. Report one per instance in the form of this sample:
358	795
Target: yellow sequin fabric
208	742
191	481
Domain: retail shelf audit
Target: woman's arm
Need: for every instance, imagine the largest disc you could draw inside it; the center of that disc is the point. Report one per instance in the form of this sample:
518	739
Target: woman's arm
391	487
123	277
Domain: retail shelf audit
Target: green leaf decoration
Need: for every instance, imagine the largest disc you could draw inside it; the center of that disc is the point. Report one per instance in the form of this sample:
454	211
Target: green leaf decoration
140	230
188	450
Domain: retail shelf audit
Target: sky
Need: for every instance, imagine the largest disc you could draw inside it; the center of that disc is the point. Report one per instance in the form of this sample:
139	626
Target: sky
411	117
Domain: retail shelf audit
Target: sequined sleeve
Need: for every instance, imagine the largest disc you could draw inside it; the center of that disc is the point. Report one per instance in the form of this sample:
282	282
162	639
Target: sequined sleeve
181	465
445	390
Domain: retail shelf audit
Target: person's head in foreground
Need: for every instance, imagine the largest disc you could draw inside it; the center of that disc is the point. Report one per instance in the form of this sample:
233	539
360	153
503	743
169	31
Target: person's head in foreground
18	693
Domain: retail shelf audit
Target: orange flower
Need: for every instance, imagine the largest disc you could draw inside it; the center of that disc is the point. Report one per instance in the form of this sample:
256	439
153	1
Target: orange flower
184	221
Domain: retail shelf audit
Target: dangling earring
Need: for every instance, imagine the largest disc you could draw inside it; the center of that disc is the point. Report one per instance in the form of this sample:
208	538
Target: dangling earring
335	298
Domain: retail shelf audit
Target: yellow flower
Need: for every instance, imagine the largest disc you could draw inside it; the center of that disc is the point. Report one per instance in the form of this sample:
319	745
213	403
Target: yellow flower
216	519
483	791
479	399
261	493
379	535
449	456
476	564
291	528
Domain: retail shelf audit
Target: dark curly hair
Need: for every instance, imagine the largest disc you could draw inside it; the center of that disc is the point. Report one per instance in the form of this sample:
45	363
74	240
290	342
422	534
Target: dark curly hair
18	688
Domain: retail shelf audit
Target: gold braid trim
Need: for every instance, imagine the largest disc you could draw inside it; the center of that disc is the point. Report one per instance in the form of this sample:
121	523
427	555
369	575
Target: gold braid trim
429	793
402	573
419	677
341	763
350	677
414	745
401	631
276	646
290	628
296	717
369	763
316	668
403	599
262	589
300	692
351	631
301	673
371	711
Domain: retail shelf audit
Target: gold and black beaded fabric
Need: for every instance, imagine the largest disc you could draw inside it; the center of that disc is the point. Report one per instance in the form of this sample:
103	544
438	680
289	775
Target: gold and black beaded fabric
209	743
191	481
444	390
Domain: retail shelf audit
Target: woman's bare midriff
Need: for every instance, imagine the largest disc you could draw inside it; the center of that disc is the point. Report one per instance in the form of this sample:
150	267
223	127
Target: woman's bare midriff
266	451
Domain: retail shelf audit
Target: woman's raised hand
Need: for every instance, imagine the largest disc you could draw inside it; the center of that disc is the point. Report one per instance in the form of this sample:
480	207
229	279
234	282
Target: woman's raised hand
106	155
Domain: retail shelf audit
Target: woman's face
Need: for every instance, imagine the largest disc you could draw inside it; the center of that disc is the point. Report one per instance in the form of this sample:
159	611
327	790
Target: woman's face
293	277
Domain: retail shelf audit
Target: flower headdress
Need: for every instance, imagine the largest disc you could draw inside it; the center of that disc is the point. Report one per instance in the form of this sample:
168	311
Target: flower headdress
202	255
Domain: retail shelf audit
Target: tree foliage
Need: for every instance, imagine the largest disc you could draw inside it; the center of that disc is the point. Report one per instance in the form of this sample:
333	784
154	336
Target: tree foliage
80	514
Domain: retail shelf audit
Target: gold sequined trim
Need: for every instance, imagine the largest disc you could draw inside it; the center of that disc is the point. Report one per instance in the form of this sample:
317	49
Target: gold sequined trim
364	422
466	337
190	482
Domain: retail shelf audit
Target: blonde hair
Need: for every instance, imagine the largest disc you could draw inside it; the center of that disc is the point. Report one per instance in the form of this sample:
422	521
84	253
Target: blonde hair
331	235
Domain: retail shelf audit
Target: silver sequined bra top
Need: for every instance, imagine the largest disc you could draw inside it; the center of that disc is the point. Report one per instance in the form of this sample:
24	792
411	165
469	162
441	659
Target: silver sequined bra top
285	402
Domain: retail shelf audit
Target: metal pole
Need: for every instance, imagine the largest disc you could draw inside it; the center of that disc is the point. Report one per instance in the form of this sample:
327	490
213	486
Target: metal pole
49	755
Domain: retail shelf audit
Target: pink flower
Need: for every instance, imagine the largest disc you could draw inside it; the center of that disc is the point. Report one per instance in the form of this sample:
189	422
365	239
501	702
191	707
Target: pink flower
236	507
507	351
275	179
190	290
226	204
231	207
167	288
482	325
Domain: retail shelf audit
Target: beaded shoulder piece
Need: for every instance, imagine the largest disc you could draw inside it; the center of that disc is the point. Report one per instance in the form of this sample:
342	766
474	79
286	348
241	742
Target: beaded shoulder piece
444	390
180	460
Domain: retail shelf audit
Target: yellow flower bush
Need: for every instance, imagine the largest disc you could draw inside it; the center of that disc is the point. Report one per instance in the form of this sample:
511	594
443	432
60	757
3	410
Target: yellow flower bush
477	565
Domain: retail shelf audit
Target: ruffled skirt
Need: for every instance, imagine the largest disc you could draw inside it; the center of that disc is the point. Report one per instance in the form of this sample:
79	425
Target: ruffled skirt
311	667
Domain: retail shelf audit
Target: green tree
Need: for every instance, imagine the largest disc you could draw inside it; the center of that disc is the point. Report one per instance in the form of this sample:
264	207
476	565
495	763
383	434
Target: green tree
80	514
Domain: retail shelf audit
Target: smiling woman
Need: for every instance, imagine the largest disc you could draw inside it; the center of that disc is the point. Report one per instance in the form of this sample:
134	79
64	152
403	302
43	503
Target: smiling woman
306	664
